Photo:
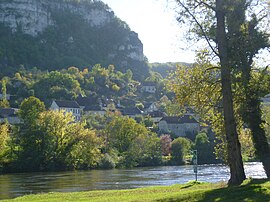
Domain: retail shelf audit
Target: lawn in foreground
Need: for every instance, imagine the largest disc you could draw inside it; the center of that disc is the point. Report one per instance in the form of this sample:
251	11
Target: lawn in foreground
250	190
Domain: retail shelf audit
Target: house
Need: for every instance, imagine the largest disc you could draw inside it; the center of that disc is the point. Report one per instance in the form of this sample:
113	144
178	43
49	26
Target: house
149	87
184	126
131	112
9	115
94	109
68	106
91	105
150	107
156	116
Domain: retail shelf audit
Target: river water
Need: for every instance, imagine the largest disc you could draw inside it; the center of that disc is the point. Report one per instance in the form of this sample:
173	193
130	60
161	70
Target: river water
14	185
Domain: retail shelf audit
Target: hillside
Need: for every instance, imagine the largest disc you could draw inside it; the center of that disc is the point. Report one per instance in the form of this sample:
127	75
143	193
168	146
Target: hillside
164	69
56	34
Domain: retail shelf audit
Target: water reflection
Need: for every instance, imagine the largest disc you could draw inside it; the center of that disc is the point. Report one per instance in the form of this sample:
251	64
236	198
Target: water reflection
14	185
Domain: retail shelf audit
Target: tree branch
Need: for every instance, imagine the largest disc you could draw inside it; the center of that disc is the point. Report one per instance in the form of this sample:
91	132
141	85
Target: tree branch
200	26
206	4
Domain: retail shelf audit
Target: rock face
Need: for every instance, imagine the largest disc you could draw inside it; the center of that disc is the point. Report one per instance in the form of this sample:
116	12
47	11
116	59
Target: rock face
39	18
34	16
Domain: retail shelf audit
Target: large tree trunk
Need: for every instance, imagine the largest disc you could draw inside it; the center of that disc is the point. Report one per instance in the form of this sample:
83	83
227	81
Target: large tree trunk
233	144
252	116
251	113
254	121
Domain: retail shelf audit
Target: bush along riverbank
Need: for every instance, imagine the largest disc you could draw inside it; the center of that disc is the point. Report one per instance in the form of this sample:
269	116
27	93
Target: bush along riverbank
250	190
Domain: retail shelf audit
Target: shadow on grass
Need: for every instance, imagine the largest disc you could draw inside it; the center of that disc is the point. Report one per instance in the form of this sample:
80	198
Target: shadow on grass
253	190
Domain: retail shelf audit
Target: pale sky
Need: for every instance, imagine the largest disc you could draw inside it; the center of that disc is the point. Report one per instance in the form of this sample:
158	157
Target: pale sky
156	25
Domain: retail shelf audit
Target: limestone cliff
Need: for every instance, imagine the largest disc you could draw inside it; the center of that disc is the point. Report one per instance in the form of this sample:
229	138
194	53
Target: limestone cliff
60	33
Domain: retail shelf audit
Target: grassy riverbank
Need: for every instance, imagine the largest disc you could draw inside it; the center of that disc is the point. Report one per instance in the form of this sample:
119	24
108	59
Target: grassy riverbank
250	190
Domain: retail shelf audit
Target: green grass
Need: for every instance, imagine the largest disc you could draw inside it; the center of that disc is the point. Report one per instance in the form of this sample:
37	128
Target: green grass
250	190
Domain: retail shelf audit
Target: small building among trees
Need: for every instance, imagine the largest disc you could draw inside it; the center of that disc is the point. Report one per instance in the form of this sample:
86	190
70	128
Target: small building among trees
67	106
182	126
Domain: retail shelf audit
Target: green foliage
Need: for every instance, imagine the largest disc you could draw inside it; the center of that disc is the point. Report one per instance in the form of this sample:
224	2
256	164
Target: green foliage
4	144
205	149
180	148
266	118
56	85
4	102
30	109
164	69
55	142
122	131
109	160
199	86
247	146
135	144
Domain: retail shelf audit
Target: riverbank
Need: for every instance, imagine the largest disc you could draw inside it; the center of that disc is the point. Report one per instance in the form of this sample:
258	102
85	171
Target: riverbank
250	190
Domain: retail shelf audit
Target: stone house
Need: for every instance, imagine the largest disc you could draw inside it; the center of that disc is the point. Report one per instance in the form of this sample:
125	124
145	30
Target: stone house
182	126
149	87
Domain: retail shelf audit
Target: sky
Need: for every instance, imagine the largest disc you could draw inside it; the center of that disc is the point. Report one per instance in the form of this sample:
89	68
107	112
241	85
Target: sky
157	27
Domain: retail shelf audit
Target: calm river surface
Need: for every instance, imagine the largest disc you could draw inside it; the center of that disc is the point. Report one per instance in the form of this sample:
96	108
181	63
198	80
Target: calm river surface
13	185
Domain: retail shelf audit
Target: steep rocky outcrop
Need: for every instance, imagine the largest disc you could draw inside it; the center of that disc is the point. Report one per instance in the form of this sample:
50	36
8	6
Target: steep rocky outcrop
52	34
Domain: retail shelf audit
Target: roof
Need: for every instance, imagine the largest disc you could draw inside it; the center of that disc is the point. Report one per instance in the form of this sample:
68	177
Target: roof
8	112
93	108
67	104
87	101
148	104
157	114
131	111
148	83
266	98
179	119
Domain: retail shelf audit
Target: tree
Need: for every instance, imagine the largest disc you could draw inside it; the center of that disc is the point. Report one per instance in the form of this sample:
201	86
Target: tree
67	144
4	102
233	144
266	118
28	139
246	39
180	147
30	109
215	22
165	144
56	85
4	137
134	142
204	148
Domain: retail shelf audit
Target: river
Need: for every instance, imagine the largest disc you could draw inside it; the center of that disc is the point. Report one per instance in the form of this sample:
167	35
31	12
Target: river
14	185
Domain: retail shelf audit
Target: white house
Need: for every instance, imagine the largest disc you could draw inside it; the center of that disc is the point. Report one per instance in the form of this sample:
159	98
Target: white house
184	126
68	106
149	87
